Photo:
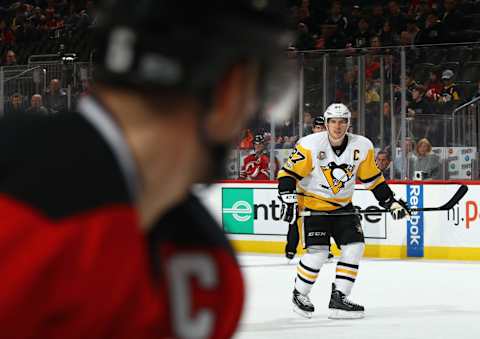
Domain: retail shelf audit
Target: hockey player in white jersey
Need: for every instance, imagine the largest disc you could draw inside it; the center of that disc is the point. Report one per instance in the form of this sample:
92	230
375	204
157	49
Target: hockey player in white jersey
320	175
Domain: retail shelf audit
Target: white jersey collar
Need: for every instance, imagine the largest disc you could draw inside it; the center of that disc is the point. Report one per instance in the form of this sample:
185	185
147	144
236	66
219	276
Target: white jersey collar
94	113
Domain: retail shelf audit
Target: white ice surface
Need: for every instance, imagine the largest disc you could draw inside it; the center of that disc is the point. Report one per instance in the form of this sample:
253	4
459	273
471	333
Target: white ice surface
402	299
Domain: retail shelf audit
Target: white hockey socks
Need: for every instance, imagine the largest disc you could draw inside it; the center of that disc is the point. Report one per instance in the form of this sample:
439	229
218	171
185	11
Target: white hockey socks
347	267
309	267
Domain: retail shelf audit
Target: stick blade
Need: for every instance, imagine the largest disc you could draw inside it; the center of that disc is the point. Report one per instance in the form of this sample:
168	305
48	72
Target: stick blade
456	198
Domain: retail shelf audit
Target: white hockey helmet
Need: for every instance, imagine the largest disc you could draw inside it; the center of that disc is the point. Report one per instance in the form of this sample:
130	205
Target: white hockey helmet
337	110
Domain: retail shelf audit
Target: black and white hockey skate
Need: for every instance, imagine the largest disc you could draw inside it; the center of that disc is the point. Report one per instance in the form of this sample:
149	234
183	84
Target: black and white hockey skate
342	308
302	304
290	255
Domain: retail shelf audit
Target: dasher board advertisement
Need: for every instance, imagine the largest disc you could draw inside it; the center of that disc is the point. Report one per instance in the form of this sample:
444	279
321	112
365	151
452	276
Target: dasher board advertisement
252	210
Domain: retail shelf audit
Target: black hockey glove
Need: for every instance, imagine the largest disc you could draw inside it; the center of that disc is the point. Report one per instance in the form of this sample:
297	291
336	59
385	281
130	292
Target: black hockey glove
289	210
398	208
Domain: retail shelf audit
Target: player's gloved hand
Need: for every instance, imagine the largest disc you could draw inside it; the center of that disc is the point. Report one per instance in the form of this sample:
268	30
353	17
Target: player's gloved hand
398	208
289	210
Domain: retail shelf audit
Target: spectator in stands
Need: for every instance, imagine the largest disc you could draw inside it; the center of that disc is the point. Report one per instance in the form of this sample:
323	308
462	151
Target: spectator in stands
375	45
347	90
91	13
285	129
301	13
336	17
419	104
420	12
371	93
388	36
330	38
15	105
425	161
383	162
372	67
377	19
36	15
410	159
7	38
304	40
412	28
55	97
247	140
36	105
417	107
361	38
450	93
26	32
406	39
256	166
354	18
307	123
410	84
433	32
452	18
434	86
397	18
10	58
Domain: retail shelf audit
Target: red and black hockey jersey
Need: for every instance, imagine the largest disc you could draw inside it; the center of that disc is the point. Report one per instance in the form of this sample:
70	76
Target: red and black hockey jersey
73	261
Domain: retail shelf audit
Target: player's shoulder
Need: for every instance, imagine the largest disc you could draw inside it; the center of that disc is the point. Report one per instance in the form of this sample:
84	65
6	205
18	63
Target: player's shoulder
67	159
313	140
360	141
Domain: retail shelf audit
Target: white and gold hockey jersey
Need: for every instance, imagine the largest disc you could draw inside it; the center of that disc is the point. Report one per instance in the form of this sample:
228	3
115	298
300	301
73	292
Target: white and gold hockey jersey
326	180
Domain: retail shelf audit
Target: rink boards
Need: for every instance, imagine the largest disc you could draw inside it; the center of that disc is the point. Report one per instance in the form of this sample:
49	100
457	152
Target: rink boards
250	212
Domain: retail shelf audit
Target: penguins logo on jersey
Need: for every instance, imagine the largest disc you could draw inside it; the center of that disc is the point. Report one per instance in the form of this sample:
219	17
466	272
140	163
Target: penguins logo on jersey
337	175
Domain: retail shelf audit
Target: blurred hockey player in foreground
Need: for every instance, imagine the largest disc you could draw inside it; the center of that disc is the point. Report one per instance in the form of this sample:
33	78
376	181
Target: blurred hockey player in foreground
100	235
320	175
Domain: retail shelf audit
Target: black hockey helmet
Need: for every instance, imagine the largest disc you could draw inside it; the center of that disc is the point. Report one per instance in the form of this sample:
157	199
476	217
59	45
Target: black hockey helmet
259	139
319	121
188	45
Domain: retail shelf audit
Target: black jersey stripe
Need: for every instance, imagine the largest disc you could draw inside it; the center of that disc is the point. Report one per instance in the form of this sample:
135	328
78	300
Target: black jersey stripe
292	173
371	178
340	263
325	201
344	277
305	280
314	271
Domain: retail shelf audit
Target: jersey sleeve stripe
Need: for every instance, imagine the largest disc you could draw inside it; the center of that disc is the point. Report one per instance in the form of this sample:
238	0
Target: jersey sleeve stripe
293	174
376	183
371	178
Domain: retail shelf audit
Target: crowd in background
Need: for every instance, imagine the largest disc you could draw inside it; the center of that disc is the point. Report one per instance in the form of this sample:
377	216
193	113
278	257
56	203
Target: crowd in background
30	21
44	27
438	79
343	24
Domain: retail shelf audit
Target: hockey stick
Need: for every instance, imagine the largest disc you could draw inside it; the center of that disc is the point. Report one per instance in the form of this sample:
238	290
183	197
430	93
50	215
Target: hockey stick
462	190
